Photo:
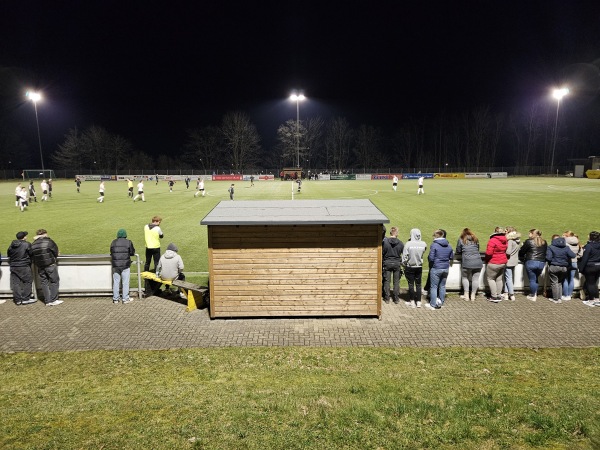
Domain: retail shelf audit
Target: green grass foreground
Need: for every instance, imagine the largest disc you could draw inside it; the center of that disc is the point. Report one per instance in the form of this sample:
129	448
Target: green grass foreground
302	398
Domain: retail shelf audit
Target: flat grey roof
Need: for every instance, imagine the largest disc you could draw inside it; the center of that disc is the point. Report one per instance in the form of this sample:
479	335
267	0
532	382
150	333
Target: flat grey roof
293	212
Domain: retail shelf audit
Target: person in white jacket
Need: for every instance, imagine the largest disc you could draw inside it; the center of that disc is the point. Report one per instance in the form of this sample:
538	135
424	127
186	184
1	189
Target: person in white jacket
170	266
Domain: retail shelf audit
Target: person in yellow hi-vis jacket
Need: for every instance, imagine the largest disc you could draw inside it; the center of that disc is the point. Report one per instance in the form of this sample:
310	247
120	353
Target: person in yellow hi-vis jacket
152	234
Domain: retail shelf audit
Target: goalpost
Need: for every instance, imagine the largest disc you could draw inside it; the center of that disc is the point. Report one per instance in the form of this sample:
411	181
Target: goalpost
29	174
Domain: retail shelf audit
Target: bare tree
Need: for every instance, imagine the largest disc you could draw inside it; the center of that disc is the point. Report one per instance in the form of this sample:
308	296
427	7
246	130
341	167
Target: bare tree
368	145
241	139
291	142
338	141
204	147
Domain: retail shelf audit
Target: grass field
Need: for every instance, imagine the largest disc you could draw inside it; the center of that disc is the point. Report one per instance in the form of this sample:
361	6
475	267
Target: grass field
81	225
296	397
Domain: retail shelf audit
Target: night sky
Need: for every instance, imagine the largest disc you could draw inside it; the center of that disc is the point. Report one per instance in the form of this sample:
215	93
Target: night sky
150	70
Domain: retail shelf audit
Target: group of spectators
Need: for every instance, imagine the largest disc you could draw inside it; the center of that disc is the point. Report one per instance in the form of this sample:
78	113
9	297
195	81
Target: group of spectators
43	253
564	256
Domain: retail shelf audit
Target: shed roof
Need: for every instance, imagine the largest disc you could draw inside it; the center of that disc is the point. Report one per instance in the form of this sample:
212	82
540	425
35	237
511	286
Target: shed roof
294	212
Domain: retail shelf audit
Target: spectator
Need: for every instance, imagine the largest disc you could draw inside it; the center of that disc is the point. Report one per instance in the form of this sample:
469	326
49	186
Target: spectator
152	235
170	266
559	258
440	255
392	257
572	241
121	251
495	256
533	253
44	253
589	265
21	276
468	247
412	259
512	253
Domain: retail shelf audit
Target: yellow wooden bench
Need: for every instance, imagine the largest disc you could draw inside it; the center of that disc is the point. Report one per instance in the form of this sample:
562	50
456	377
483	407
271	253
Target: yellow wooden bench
194	291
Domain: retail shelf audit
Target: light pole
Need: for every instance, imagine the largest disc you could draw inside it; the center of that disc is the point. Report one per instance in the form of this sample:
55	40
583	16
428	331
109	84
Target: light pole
558	94
297	97
35	97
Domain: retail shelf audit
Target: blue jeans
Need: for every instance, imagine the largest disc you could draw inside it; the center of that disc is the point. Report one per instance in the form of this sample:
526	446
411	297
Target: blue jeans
117	277
438	285
534	270
509	274
569	283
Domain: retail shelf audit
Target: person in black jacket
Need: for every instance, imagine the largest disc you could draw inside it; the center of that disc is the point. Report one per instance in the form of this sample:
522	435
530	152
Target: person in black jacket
533	253
121	251
44	252
589	266
392	257
21	276
559	258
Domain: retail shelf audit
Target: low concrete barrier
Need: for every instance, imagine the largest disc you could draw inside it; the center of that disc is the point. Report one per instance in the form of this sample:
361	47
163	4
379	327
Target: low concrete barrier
80	276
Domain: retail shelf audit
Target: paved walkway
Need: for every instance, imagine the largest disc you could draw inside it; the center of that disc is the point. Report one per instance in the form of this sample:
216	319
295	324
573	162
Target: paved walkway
158	323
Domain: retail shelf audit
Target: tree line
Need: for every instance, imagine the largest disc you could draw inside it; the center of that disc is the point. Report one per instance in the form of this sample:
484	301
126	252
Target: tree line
475	139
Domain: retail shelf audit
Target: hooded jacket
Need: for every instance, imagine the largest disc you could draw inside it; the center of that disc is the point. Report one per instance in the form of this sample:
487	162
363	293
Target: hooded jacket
558	254
469	251
44	251
495	252
440	254
170	265
19	253
392	251
590	257
152	234
512	251
414	249
573	244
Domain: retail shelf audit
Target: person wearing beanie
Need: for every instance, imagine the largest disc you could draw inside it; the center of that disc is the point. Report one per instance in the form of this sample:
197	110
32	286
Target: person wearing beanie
21	276
170	266
121	251
44	253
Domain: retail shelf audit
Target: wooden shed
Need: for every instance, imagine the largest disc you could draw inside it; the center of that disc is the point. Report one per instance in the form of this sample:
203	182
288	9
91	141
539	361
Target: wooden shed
295	258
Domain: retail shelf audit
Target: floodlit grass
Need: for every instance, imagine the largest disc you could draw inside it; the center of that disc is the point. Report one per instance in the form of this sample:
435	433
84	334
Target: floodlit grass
302	398
80	225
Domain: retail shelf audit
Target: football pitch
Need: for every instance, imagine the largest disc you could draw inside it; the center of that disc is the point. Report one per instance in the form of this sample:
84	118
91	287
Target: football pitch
81	225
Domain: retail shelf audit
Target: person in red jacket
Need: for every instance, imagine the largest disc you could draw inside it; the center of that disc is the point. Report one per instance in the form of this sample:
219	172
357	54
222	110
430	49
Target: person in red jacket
495	257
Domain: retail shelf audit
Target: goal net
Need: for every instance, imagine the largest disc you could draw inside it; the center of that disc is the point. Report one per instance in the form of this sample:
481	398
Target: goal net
38	173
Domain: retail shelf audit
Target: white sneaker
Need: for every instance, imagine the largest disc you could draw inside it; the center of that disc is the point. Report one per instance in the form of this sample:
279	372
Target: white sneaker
512	297
54	303
438	302
418	304
567	298
413	304
589	303
533	298
505	296
428	306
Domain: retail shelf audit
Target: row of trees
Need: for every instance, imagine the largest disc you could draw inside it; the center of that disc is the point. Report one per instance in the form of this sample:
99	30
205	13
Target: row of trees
476	139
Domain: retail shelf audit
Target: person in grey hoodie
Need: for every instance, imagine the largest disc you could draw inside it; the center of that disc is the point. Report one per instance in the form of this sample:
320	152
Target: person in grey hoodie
572	241
392	256
468	247
412	260
440	256
170	266
559	258
513	238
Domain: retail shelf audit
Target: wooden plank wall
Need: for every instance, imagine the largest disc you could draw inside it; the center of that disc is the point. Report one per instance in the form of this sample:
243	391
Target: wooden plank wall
295	270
